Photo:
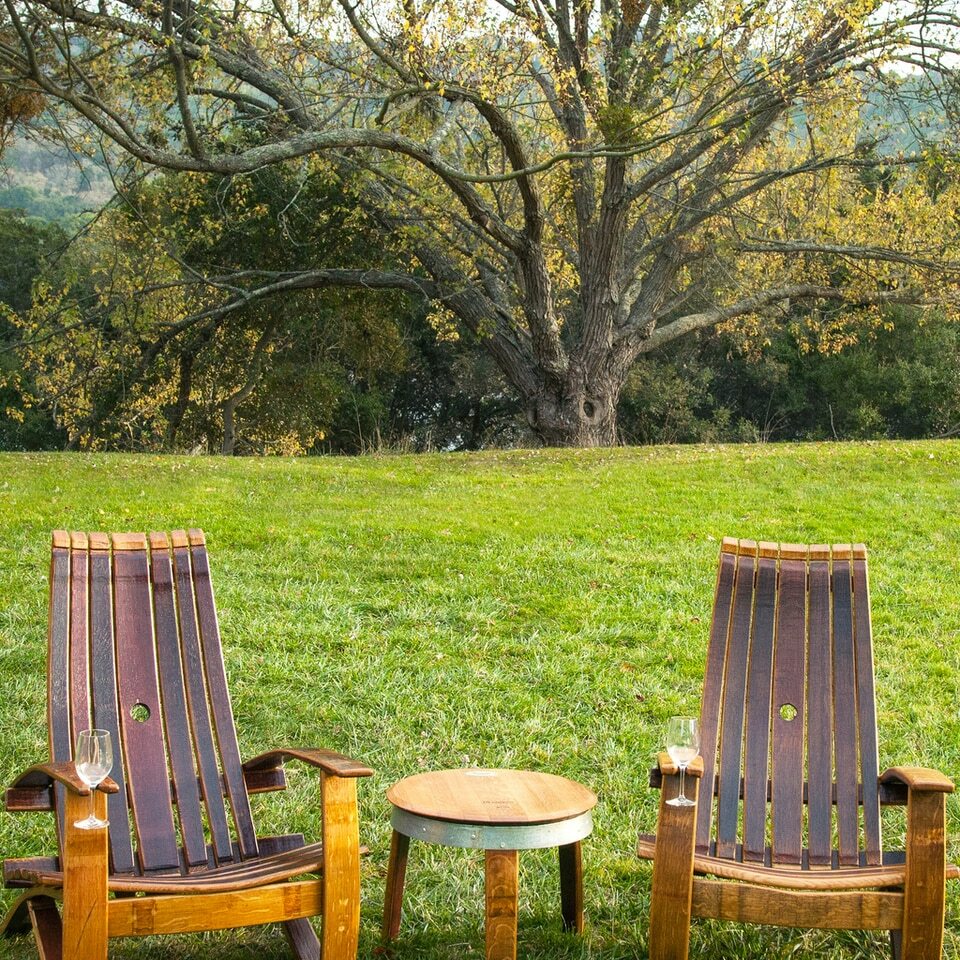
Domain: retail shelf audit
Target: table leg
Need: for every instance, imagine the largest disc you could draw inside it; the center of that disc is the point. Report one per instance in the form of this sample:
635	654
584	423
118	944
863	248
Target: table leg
502	877
571	887
393	899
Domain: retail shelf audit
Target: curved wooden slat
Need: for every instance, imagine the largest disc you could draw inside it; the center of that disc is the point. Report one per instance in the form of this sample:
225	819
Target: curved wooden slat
846	771
79	641
58	663
756	758
196	691
137	684
713	686
866	704
837	910
243	875
219	695
819	708
106	709
788	711
172	689
327	760
734	702
796	877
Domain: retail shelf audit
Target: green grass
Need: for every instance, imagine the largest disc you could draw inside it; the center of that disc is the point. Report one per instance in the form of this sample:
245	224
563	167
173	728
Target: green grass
529	609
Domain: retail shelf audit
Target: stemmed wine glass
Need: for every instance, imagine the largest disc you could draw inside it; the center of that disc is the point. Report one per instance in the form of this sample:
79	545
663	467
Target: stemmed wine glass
683	744
94	760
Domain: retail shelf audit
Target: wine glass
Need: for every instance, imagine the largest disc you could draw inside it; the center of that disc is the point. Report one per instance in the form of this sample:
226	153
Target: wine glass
94	759
683	744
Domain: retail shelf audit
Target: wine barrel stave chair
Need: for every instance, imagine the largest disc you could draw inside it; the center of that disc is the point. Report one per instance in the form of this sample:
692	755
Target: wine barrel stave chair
134	648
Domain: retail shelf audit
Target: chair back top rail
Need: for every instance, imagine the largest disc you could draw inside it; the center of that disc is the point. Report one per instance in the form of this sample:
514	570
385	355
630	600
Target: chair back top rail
788	717
134	648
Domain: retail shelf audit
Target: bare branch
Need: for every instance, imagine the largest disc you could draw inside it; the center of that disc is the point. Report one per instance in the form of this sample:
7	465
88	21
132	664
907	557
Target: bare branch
798	291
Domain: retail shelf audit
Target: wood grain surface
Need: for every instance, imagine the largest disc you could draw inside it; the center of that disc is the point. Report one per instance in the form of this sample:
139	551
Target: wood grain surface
502	879
501	797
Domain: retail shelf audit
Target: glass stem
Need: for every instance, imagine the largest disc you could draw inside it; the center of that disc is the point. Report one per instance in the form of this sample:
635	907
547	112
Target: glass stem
683	770
93	815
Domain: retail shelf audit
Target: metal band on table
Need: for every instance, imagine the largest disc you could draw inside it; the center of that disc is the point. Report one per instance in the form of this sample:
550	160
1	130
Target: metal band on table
522	836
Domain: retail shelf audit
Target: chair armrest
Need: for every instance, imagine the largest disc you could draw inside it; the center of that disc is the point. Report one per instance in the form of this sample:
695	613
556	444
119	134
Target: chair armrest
327	760
31	790
922	779
671	893
666	767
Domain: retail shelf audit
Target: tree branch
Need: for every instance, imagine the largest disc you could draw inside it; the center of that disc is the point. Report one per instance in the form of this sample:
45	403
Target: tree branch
799	291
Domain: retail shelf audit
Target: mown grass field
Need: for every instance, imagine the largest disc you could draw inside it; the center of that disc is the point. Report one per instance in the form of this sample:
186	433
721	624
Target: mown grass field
532	609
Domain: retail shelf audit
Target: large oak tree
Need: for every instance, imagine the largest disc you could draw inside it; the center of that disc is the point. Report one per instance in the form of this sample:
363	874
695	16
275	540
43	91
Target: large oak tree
575	182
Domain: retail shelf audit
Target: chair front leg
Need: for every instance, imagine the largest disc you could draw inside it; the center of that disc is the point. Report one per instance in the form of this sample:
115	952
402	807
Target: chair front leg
672	894
341	868
84	881
924	889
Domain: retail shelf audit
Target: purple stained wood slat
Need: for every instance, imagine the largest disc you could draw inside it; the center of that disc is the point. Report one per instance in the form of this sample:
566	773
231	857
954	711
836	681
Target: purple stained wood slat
757	745
789	682
199	716
712	692
867	712
819	713
220	699
105	707
147	778
734	694
58	665
179	742
79	646
845	716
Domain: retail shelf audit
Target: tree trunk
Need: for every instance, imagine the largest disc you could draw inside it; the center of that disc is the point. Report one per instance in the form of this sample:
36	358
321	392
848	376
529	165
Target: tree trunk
229	406
179	408
572	413
229	427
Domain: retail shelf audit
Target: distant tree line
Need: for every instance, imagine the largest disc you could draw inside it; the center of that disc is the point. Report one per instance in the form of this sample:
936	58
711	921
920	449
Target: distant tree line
571	189
342	374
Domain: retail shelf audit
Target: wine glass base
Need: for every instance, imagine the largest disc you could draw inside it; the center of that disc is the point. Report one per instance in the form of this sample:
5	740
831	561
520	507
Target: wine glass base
91	823
681	802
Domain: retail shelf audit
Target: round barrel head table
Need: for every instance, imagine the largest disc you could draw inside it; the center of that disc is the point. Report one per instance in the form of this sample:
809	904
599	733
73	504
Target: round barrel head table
500	812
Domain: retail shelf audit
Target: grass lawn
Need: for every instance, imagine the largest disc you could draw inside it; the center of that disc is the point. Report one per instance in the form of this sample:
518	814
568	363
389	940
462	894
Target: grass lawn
531	609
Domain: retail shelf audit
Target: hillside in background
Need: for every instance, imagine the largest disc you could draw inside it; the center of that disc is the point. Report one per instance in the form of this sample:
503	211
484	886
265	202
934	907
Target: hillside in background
46	180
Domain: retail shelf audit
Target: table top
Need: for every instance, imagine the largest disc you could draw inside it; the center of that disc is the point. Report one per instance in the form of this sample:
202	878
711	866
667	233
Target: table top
499	797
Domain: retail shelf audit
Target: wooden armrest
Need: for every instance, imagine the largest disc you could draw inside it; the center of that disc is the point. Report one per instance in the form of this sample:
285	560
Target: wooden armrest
31	790
918	778
667	767
327	760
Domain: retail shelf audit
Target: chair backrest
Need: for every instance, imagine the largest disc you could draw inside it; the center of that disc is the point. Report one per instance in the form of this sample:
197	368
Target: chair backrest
134	648
788	717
